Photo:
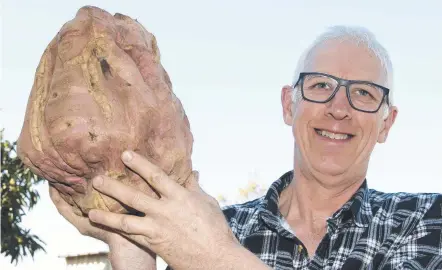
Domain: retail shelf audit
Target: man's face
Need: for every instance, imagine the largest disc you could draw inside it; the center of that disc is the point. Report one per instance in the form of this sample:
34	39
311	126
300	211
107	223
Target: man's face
311	122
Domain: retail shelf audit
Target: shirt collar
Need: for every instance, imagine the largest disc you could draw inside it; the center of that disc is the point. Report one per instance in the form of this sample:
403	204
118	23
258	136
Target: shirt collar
358	208
271	199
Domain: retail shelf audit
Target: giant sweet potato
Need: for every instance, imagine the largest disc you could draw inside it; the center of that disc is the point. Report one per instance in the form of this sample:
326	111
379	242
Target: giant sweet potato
100	89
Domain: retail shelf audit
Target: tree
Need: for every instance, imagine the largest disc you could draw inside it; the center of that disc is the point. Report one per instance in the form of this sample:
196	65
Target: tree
251	191
18	195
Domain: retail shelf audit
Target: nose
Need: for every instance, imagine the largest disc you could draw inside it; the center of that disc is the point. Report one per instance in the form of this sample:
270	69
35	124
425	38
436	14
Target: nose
339	107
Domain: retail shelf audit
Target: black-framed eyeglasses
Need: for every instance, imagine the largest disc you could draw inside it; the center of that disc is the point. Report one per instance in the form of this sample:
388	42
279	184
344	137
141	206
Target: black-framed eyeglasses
363	96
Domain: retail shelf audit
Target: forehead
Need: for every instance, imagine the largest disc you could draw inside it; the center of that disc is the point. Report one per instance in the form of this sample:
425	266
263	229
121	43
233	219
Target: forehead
347	60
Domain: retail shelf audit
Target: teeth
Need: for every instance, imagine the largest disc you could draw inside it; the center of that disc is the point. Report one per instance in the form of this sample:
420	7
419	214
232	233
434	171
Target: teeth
331	135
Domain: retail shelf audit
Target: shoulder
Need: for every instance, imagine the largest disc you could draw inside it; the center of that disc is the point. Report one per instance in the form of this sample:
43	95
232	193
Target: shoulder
243	217
414	222
243	211
422	204
414	216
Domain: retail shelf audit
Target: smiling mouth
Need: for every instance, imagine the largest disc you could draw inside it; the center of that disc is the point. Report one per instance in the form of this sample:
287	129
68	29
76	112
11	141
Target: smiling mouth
332	135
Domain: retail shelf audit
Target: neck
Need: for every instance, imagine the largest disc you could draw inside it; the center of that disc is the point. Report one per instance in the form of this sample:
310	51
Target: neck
309	202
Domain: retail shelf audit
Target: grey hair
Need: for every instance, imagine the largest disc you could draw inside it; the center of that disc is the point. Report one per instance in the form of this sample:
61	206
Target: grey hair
359	35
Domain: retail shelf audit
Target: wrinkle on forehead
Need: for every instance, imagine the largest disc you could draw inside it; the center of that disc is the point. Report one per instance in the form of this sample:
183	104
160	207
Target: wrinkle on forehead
348	60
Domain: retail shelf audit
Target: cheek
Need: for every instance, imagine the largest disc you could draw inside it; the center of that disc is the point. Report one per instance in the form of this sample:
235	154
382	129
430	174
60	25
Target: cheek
304	113
298	119
370	129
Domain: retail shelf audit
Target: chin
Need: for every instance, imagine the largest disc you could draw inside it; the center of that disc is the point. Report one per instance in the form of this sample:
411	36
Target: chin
330	168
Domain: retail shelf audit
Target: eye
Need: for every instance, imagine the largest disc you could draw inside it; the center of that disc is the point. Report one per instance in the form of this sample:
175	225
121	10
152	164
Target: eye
321	85
364	93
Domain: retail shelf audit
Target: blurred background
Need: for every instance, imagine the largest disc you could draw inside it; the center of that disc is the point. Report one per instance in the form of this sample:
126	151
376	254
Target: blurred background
228	61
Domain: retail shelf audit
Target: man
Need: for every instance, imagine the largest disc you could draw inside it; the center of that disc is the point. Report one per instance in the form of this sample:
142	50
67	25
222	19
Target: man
320	215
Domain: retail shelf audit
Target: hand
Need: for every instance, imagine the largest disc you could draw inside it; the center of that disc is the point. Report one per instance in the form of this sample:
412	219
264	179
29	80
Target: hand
124	254
186	226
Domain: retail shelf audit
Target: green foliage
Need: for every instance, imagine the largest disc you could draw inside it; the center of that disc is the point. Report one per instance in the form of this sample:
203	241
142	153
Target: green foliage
17	196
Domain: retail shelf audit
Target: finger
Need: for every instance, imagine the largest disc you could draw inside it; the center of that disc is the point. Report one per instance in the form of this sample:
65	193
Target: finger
125	223
62	206
156	177
143	241
126	194
192	182
81	223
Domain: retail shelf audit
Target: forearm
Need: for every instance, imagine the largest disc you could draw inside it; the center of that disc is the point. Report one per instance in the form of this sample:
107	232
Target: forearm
237	257
233	257
125	257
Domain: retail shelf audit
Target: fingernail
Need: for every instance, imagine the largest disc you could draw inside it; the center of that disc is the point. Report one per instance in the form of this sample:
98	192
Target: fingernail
127	156
98	181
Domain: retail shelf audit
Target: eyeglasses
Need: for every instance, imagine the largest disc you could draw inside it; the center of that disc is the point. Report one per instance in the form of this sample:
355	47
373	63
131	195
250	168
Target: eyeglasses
363	96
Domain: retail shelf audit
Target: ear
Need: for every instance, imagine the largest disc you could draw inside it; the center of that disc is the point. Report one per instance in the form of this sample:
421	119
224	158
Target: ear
287	104
387	124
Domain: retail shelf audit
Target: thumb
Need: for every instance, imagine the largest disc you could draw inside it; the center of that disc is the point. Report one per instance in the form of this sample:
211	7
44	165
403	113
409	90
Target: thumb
82	224
54	195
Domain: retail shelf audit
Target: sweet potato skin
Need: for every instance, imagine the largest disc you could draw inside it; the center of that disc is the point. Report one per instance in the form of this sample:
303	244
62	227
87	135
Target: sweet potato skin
100	89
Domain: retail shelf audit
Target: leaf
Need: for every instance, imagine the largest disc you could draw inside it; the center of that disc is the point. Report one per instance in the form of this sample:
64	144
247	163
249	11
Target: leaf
18	196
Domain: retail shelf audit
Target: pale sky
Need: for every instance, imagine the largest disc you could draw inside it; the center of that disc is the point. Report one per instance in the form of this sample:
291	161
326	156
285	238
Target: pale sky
228	61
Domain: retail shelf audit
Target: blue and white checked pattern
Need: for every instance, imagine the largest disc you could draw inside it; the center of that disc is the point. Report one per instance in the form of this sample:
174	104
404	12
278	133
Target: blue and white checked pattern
373	230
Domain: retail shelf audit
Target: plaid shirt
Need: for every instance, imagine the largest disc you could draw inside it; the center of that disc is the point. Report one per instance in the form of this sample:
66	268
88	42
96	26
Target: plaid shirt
373	230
